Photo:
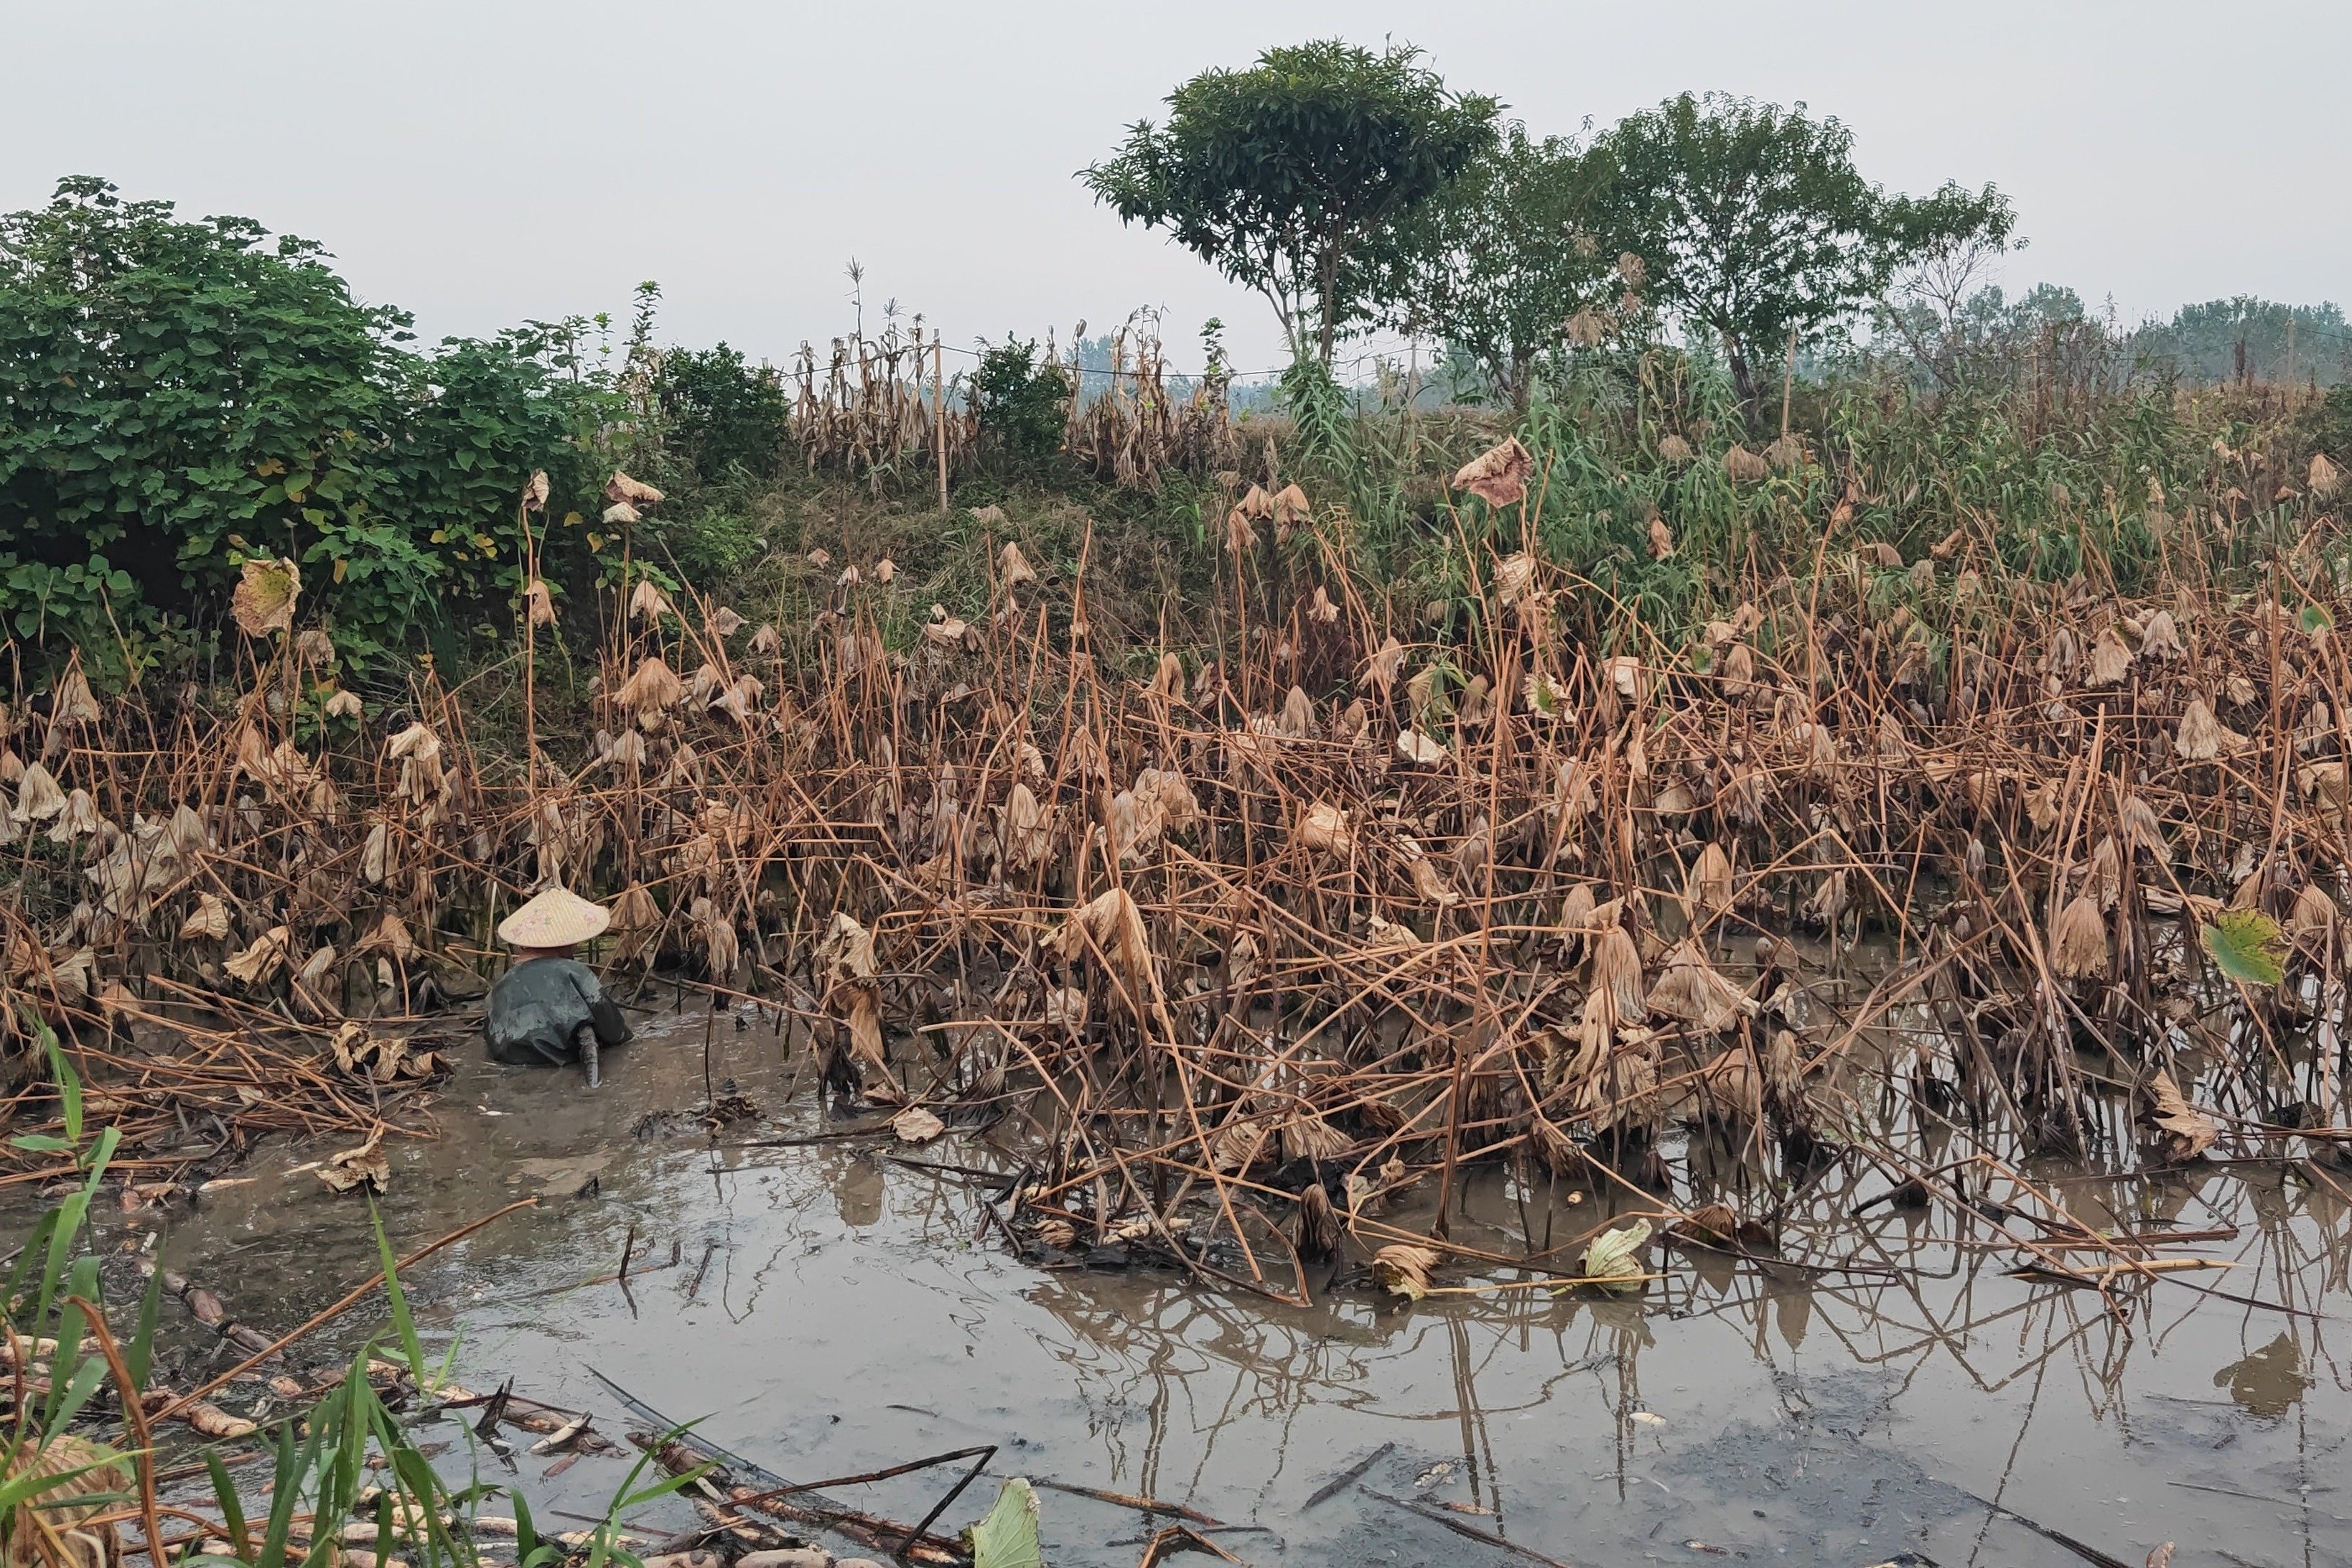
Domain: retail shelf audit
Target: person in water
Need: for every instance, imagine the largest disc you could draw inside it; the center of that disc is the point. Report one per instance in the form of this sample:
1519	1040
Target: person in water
548	1010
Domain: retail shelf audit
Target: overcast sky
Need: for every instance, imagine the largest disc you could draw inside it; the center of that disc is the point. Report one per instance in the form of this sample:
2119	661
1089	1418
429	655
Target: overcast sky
484	161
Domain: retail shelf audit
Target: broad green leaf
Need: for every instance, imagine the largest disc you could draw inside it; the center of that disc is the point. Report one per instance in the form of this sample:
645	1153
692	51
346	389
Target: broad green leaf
1007	1538
2245	945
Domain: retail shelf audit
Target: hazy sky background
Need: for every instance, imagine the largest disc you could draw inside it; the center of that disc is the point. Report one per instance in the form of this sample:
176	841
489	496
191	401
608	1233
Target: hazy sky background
482	163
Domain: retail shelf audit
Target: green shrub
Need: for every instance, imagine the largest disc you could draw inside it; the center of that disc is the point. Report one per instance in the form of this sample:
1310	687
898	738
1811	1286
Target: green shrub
180	395
1022	404
719	415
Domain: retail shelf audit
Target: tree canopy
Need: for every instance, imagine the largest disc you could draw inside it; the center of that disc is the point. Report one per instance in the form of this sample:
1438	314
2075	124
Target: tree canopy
1293	177
1497	263
1753	222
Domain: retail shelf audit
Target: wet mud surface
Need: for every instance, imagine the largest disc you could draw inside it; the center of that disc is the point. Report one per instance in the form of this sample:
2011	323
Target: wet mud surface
832	1309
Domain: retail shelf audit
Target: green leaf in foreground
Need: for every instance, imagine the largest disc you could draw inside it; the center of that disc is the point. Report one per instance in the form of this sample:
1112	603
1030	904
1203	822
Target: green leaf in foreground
2244	944
1007	1538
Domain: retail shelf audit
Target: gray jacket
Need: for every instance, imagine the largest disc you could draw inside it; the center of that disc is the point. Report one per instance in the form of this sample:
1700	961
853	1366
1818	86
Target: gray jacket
538	1009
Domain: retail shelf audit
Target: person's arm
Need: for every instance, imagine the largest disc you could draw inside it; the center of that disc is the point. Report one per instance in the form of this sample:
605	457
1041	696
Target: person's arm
612	1027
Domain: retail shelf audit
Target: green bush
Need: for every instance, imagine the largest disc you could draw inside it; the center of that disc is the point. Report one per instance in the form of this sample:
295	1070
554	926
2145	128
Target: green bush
1022	404
182	396
719	415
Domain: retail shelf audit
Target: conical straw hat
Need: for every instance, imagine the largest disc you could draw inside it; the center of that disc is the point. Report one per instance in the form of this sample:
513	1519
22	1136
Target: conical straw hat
557	918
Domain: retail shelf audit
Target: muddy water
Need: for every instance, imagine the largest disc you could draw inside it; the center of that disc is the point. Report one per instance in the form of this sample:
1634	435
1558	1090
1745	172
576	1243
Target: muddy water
853	1313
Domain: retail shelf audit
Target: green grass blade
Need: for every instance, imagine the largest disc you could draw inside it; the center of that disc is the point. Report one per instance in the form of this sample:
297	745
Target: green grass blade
139	1359
402	1322
68	1084
232	1510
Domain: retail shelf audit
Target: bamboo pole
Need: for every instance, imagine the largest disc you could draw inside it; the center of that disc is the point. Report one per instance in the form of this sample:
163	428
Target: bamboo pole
940	416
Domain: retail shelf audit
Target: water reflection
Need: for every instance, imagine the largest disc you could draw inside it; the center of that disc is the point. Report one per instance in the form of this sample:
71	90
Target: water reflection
1887	1385
2270	1381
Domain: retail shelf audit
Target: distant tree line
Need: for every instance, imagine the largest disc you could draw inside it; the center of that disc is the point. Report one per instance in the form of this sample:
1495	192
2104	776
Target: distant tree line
1356	191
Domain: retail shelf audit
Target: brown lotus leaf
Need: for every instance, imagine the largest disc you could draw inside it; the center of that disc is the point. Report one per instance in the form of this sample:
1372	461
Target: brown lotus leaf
1416	750
652	687
2161	637
363	1166
1324	826
78	820
621	489
1312	1138
1744	467
1731	1086
1136	826
267	592
1111	926
2078	941
1240	533
261	958
1168	679
1291	508
2141	828
71	701
2314	913
2201	737
71	975
1297	719
1065	1008
1617	976
2188	1130
2111	661
1691	989
1319	1230
1404	1269
207	921
38	798
1707	891
1239	1145
721	946
1498	476
915	1125
1171	792
55	1509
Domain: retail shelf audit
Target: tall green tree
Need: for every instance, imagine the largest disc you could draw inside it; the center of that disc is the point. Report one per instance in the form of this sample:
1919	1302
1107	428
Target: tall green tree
1754	223
1294	176
1499	263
